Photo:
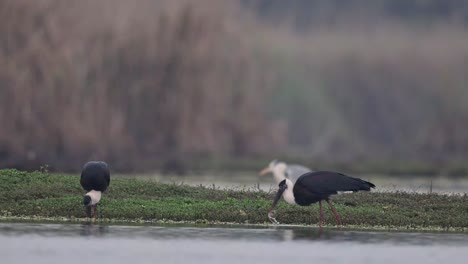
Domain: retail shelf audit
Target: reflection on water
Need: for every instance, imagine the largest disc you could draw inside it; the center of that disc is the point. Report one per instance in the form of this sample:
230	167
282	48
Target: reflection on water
213	233
89	229
89	243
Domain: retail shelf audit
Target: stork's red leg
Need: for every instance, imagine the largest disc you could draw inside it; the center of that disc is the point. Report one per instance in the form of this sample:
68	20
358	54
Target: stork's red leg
337	216
321	215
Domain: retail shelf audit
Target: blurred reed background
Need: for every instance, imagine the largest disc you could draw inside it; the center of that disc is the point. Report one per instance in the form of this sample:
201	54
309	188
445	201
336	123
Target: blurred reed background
180	85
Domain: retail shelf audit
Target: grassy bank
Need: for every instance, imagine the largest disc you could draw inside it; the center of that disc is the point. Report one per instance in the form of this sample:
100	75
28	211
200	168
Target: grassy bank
42	196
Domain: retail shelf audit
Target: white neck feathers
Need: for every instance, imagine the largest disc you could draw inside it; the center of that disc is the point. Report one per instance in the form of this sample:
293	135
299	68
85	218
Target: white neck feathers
95	196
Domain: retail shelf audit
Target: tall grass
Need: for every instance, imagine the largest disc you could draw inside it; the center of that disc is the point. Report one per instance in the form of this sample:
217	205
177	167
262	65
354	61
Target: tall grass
93	80
357	94
153	82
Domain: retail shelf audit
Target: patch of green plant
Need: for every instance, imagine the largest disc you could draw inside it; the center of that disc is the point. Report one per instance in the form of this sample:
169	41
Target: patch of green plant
40	195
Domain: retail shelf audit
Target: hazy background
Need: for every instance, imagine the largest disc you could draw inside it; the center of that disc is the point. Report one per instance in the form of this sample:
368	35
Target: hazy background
376	85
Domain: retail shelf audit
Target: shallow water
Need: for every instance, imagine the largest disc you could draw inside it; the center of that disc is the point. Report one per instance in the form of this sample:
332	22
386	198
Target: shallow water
87	243
250	180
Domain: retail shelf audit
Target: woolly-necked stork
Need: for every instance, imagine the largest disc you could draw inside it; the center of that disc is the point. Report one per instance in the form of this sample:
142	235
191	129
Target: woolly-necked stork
95	178
281	171
315	187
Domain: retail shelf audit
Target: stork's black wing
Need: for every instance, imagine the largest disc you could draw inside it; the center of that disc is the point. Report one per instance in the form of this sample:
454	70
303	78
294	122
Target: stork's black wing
107	173
332	182
95	176
315	186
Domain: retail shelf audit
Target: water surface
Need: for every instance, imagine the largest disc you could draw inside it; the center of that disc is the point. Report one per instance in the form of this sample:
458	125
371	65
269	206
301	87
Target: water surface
88	243
250	180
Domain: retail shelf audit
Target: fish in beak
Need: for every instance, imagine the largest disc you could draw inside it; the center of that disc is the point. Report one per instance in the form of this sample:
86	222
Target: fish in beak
264	171
269	168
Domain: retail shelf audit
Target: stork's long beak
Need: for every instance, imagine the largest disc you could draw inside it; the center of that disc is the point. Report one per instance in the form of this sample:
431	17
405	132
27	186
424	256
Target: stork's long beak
264	171
88	211
271	212
277	197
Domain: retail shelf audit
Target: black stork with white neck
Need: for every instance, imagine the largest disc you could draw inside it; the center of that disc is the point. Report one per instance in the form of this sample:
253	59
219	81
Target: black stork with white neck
95	178
315	187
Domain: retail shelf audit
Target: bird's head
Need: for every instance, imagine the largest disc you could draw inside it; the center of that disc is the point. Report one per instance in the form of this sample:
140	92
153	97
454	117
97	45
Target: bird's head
283	185
277	168
87	200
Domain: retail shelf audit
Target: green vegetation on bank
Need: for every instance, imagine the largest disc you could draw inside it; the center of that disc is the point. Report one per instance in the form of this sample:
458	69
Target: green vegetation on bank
43	195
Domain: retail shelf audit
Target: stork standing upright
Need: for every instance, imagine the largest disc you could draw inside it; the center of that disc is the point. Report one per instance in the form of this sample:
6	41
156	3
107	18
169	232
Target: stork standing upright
95	178
315	187
281	171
